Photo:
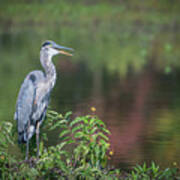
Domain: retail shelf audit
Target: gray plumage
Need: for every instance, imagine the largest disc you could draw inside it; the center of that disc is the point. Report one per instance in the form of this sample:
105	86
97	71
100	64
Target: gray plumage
34	94
30	107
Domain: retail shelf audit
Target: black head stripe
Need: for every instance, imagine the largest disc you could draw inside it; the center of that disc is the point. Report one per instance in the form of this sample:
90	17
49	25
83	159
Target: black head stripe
46	43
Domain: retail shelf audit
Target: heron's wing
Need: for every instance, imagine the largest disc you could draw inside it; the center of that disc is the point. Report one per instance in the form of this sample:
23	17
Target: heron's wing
24	106
27	105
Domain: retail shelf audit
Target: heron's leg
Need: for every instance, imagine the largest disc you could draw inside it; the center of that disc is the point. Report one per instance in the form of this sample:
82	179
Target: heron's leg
27	149
27	143
37	139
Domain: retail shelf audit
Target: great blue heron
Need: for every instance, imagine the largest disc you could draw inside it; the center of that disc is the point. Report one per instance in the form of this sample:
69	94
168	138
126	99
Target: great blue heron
34	95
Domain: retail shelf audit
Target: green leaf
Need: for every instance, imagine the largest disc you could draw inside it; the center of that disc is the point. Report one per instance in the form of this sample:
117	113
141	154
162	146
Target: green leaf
63	152
93	130
103	136
94	136
61	145
105	130
86	119
57	124
66	116
77	120
70	141
52	112
67	131
65	138
103	142
80	126
79	134
64	121
92	121
100	123
64	126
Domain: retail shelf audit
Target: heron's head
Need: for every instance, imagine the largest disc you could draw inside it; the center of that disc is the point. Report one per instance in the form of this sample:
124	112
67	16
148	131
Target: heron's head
52	49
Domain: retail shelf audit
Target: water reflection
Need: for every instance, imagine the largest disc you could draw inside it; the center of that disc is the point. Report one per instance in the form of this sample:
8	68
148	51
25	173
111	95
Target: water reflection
140	109
135	109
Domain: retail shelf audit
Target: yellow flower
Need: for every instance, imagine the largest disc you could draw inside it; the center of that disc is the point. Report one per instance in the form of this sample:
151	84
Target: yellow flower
2	157
175	163
111	153
93	109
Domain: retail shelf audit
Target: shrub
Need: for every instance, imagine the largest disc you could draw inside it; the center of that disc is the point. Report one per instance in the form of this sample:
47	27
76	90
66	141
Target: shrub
81	151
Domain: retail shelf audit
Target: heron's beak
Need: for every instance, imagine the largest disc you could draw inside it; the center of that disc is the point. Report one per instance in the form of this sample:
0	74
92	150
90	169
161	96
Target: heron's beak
66	53
63	50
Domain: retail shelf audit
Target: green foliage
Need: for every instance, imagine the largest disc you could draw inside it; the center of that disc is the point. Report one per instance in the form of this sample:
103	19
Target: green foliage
152	172
81	153
89	138
6	139
5	136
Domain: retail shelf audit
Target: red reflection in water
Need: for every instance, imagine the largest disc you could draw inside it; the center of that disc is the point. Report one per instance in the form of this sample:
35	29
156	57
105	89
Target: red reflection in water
125	142
125	129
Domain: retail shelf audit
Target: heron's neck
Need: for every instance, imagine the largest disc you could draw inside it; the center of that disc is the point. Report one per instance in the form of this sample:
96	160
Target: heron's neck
49	68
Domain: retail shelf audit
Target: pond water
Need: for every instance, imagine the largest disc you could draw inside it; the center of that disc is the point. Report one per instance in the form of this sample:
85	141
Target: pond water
139	103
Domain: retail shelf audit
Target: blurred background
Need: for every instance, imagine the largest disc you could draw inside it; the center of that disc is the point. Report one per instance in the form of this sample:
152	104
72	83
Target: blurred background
126	65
